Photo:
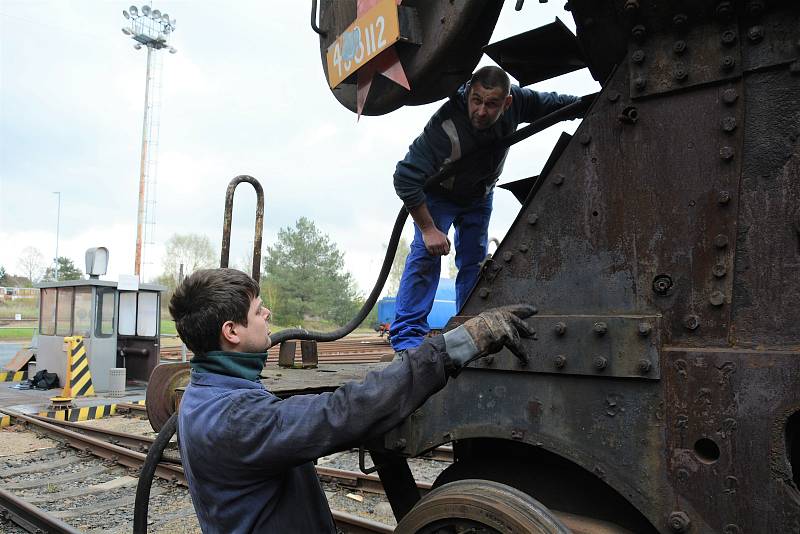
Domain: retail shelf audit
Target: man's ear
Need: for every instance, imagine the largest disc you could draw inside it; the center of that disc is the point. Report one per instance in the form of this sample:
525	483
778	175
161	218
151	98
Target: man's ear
228	333
507	103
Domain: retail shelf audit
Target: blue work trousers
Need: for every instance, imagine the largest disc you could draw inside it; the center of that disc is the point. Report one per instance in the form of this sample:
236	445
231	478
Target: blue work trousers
421	275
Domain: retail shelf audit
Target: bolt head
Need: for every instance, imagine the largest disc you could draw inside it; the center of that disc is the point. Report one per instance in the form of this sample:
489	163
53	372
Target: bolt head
729	124
729	96
723	198
691	322
728	63
585	139
507	256
679	47
755	34
600	328
639	32
523	247
645	328
558	179
560	361
717	298
560	328
533	218
680	73
640	83
721	241
599	362
638	56
719	270
679	521
399	444
631	5
728	37
613	96
680	20
726	153
645	366
483	293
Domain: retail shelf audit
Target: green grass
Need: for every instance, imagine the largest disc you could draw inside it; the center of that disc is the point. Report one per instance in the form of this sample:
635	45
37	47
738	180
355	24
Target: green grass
168	326
16	334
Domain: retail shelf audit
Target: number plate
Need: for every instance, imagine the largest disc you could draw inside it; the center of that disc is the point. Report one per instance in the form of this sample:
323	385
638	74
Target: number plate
370	34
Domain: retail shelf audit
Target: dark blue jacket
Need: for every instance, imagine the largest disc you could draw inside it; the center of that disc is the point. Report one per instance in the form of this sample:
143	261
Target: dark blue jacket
449	135
248	455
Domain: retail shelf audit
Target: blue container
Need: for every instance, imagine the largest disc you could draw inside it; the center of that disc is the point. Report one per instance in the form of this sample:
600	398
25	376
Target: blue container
444	306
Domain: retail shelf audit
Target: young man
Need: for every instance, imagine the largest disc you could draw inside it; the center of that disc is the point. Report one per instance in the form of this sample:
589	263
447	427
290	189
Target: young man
484	110
247	454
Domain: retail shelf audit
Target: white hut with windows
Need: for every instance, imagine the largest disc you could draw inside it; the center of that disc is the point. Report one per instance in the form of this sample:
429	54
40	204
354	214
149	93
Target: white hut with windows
119	321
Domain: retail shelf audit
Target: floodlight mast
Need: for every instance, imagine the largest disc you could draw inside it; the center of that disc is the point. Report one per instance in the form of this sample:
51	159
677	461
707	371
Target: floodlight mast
149	28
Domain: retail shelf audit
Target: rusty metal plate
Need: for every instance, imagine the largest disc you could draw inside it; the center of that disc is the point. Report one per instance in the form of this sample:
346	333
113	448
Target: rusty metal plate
702	55
726	414
162	396
452	36
770	40
592	345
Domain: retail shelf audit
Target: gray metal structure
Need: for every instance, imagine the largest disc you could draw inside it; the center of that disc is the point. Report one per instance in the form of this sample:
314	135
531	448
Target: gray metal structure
662	248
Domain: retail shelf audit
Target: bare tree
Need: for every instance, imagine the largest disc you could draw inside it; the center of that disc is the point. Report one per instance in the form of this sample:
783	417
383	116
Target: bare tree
193	251
32	263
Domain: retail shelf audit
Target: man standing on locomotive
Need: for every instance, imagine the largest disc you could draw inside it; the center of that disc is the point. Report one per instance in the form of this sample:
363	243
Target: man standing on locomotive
484	110
247	454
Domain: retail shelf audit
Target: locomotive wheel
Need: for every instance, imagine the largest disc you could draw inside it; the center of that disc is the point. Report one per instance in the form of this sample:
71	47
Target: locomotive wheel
479	506
161	395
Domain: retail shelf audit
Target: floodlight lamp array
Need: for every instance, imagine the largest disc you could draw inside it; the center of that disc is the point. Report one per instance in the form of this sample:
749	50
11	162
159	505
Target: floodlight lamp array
149	27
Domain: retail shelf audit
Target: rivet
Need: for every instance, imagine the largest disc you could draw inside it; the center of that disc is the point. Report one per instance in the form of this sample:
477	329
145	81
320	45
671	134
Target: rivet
558	179
645	328
599	362
717	298
640	83
507	256
719	270
442	20
691	322
731	528
726	153
679	47
639	33
613	96
523	247
560	361
721	241
483	293
729	96
399	444
645	366
755	8
585	139
679	521
729	124
723	198
682	475
600	328
680	73
631	5
680	20
755	34
727	63
728	37
724	10
560	328
637	56
533	218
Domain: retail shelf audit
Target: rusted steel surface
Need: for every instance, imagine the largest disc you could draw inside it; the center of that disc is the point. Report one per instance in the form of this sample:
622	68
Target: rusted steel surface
672	217
452	36
162	397
259	224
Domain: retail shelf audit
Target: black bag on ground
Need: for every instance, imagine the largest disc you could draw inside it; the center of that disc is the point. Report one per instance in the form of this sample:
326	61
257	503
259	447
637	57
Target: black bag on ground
45	380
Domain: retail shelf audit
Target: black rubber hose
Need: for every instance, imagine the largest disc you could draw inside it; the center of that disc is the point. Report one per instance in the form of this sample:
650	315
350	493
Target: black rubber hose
302	333
148	470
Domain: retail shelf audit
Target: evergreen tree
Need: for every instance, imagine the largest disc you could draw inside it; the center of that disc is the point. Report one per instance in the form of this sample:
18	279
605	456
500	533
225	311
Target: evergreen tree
305	277
66	271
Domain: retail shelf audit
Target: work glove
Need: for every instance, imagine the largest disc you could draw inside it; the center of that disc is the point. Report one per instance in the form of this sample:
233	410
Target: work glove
486	334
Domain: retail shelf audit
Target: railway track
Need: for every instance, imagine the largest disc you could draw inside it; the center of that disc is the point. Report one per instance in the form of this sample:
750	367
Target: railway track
88	482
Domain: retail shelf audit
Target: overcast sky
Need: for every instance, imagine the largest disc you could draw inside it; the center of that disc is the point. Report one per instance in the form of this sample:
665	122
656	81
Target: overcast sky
245	94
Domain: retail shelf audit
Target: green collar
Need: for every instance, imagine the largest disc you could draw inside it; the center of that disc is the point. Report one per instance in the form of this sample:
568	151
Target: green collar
237	364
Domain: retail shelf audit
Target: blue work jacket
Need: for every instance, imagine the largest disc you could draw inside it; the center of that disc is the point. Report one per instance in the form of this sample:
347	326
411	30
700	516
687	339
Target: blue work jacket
248	455
449	136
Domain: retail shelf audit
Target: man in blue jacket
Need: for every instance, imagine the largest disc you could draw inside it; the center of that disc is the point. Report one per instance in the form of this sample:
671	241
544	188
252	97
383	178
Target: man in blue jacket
484	110
247	454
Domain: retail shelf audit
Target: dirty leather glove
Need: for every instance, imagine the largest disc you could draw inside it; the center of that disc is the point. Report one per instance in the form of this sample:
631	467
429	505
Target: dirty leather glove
486	334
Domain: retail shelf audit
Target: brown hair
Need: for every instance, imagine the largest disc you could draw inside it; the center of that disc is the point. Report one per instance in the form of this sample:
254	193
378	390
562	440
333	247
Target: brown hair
491	77
206	300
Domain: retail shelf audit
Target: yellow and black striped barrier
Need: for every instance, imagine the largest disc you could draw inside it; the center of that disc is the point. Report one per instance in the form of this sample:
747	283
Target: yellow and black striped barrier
81	414
78	382
11	376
